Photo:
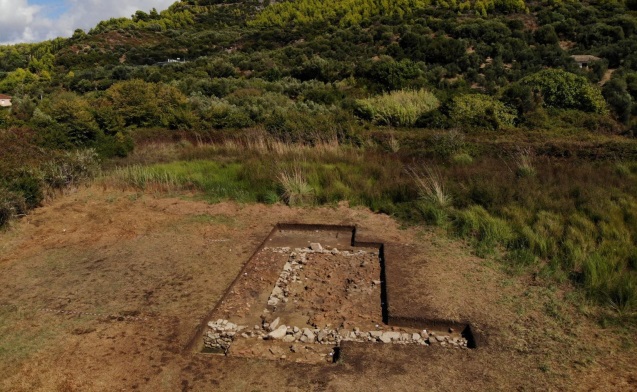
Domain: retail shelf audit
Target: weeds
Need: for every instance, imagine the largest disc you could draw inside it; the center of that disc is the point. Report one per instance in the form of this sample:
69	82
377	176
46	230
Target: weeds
296	190
430	186
524	163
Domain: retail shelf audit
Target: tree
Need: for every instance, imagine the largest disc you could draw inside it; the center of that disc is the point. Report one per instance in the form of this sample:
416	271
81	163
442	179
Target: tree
141	104
73	118
565	90
617	96
390	74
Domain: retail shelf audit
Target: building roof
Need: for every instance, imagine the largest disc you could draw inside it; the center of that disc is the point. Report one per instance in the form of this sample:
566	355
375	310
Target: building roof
2	96
584	58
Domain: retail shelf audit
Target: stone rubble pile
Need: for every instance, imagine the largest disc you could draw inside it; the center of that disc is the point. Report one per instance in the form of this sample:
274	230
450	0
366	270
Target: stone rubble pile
290	272
317	248
223	332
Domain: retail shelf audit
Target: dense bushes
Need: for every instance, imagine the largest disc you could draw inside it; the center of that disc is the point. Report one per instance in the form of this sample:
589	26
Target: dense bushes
23	188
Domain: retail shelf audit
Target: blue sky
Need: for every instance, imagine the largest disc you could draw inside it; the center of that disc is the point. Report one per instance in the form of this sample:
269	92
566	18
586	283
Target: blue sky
52	8
38	20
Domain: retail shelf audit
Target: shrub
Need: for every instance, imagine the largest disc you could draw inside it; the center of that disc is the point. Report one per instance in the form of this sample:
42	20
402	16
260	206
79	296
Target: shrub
398	108
462	159
28	183
11	204
71	169
480	111
561	89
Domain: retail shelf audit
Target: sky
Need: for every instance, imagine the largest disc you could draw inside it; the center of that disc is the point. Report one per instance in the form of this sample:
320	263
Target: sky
39	20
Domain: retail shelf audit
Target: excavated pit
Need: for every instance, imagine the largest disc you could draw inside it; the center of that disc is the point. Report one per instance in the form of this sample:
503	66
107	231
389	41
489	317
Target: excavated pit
308	288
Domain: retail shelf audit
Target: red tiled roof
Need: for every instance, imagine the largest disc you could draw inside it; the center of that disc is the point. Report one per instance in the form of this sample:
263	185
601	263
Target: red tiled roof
2	96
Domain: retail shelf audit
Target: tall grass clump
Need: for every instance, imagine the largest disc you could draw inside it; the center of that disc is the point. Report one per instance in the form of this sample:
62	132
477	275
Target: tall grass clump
296	190
605	280
398	108
430	186
524	163
480	227
144	178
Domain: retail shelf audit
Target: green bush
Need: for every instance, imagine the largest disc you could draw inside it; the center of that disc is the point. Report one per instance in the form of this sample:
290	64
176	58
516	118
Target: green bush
480	111
11	204
462	159
29	184
399	108
565	90
71	169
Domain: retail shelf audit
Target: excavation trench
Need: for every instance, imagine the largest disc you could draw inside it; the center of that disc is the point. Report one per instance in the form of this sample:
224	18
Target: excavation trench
307	289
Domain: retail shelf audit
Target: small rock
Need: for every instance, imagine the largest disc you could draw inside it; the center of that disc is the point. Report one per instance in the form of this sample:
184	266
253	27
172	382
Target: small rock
315	246
294	348
376	334
277	292
308	334
385	339
376	282
274	324
278	333
393	335
415	336
335	251
440	338
289	338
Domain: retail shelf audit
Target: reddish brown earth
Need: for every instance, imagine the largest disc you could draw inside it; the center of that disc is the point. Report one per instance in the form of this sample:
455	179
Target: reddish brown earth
102	291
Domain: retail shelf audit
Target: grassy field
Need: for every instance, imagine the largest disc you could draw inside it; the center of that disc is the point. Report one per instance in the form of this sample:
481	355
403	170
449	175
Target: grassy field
568	219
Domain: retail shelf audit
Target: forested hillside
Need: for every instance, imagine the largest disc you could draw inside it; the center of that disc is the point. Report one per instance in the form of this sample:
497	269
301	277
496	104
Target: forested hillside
537	152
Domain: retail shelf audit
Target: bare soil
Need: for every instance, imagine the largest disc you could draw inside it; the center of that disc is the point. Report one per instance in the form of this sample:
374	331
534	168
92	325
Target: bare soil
102	290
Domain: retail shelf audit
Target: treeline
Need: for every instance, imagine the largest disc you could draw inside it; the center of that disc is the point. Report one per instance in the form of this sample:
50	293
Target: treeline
357	12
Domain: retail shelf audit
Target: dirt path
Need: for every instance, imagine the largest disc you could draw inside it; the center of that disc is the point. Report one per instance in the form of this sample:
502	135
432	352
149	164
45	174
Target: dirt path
101	290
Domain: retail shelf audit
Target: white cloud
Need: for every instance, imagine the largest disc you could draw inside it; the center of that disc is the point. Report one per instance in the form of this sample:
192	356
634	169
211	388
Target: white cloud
23	22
